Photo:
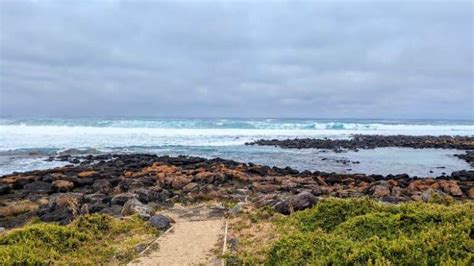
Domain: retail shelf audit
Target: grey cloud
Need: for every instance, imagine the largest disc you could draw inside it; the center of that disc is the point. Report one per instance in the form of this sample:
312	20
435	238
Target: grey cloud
280	59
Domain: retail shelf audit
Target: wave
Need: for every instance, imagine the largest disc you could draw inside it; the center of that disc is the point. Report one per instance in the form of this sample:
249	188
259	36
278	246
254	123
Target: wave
267	124
108	134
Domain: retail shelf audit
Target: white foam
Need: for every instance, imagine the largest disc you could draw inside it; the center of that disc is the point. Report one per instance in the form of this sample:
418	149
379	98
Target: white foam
52	136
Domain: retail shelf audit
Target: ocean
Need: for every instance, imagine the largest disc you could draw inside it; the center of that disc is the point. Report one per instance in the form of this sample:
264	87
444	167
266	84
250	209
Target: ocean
26	143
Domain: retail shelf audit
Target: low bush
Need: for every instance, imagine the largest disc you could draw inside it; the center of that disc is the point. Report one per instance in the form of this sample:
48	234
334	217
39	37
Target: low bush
363	231
90	239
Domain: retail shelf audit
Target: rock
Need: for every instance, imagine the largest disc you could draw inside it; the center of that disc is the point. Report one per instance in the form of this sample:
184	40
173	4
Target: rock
236	209
134	206
97	207
85	181
303	200
191	187
140	248
147	195
97	198
397	192
160	222
282	207
47	178
103	186
18	182
470	193
380	191
427	195
62	208
2	230
180	181
264	188
122	198
87	174
39	187
113	210
267	200
62	185
391	199
451	187
4	189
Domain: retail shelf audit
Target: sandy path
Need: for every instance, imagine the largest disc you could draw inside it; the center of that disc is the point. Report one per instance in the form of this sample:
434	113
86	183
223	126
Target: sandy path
193	240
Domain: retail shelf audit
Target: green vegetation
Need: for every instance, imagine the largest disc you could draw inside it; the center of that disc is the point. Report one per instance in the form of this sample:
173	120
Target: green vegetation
90	239
363	231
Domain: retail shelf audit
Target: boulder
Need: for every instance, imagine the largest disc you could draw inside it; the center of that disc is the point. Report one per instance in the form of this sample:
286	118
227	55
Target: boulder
61	208
191	187
147	195
39	187
236	209
134	206
380	191
87	174
451	187
93	207
62	185
264	188
102	185
160	222
122	198
180	181
4	189
97	198
303	200
113	210
282	207
85	181
427	195
470	193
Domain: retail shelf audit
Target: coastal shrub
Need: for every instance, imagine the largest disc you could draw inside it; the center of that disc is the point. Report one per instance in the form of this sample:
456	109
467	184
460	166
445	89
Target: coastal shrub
330	213
39	243
90	239
363	231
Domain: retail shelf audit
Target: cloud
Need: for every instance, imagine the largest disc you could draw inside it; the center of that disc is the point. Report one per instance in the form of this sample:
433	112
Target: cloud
281	59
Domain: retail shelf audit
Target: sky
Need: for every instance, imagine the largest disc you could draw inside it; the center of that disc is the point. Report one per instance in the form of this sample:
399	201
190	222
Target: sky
410	59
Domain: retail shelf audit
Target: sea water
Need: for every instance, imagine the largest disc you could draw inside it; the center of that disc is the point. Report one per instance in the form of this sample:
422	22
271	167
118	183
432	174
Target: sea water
25	143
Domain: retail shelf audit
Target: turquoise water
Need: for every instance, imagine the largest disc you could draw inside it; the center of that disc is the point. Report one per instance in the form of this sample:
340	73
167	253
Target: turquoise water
24	143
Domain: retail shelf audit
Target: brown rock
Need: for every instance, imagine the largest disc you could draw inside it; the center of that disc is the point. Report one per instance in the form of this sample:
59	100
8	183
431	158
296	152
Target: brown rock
289	184
191	187
167	169
237	175
63	185
302	201
451	187
396	192
380	191
418	185
207	177
264	188
470	193
180	181
320	181
87	174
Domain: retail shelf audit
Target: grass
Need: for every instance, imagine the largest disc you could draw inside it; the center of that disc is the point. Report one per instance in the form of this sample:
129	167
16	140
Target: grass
16	208
91	239
256	231
364	231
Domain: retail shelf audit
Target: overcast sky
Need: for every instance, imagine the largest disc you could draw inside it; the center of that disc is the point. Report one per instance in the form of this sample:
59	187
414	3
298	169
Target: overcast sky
239	59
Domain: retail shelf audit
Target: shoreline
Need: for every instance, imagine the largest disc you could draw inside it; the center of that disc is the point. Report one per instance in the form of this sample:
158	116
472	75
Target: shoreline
367	142
105	183
373	141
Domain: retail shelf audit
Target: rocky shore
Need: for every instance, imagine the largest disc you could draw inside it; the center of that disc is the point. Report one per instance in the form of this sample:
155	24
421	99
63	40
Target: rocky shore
374	141
121	185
